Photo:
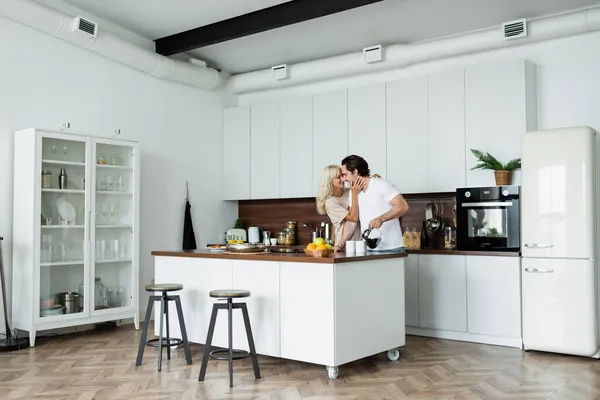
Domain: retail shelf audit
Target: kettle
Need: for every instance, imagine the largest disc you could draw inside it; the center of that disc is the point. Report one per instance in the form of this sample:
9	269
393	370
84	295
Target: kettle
254	234
372	242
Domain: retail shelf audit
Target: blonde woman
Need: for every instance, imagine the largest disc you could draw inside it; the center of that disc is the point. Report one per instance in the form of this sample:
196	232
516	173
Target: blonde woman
333	201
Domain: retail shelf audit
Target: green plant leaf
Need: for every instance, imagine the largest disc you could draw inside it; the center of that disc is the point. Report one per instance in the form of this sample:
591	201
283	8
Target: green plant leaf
513	164
486	161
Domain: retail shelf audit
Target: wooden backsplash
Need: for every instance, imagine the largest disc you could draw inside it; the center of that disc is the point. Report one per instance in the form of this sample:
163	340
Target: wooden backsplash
272	215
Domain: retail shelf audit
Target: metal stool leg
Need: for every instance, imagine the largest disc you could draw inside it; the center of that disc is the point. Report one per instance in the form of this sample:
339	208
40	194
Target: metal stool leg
186	344
144	337
250	340
230	335
160	334
209	336
168	337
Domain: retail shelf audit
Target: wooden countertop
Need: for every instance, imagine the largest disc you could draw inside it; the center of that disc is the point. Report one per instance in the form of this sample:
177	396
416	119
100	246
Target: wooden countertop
468	253
334	258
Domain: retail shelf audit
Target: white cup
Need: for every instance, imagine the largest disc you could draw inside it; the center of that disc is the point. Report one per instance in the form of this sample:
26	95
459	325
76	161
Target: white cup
273	241
361	247
350	246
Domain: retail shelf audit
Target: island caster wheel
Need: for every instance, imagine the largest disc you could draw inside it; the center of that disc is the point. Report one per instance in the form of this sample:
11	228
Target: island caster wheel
118	322
332	372
393	354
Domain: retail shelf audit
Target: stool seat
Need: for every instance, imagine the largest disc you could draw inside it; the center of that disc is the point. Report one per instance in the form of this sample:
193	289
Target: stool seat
164	287
229	293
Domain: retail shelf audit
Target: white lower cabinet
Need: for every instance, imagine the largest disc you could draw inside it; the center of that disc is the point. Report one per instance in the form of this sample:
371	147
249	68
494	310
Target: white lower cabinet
411	290
494	296
307	312
261	278
442	292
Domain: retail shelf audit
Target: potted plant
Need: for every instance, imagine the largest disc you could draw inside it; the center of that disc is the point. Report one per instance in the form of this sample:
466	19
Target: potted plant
502	173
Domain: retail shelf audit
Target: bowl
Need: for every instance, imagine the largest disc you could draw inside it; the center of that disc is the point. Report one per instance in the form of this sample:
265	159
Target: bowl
318	253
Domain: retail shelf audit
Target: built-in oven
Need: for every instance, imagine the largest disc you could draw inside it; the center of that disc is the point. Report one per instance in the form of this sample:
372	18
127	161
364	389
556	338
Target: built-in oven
488	218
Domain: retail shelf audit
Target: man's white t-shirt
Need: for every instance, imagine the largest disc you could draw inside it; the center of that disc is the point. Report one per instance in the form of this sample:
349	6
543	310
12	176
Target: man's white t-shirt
375	202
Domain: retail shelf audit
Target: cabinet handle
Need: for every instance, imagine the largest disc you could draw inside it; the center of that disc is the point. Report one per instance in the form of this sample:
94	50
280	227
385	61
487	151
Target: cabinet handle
537	246
539	271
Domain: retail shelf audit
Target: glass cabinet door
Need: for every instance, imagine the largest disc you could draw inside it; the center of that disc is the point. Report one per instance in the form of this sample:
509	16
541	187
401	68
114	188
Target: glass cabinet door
64	226
113	227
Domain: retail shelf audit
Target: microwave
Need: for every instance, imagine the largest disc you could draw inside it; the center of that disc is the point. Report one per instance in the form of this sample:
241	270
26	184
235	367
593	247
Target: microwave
488	218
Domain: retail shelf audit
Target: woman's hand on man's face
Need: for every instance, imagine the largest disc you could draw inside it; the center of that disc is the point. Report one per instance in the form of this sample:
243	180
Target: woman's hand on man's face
358	184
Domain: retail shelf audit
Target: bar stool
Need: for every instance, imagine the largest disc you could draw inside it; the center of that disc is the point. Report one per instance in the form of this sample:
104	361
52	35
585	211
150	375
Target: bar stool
229	295
167	341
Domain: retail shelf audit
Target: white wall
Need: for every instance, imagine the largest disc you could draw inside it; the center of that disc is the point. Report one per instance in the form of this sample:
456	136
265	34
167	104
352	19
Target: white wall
568	78
45	82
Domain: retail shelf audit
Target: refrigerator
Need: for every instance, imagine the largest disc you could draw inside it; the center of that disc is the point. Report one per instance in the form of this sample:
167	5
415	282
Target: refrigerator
559	246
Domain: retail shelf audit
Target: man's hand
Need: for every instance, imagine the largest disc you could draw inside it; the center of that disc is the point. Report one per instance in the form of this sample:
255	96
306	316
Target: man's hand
336	249
376	223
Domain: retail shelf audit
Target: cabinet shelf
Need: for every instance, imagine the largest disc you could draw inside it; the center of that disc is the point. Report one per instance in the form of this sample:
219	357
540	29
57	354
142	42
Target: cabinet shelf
63	226
114	193
59	263
118	260
114	226
120	167
65	163
66	191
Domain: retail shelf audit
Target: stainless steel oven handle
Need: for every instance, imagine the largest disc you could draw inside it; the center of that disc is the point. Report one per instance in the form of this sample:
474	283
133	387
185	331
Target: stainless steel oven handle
539	270
489	204
537	246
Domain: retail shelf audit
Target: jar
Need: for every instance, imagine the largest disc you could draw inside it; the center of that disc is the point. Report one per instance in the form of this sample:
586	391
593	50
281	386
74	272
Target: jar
102	159
98	293
281	238
290	237
46	179
291	225
449	239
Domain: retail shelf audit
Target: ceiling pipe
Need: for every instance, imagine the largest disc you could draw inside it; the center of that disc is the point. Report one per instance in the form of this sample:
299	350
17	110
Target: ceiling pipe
58	24
399	56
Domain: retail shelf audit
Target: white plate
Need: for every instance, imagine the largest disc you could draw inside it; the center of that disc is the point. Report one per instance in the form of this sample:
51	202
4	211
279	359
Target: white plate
215	249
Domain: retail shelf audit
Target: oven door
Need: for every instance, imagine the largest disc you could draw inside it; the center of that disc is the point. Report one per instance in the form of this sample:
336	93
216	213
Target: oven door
488	225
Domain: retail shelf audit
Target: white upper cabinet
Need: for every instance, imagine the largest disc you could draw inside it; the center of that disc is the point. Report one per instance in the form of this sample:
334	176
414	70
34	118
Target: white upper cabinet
446	96
296	145
264	151
330	132
408	135
500	107
366	126
236	153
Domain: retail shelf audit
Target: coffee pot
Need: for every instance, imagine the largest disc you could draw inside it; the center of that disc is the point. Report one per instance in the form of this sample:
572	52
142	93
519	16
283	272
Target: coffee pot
372	242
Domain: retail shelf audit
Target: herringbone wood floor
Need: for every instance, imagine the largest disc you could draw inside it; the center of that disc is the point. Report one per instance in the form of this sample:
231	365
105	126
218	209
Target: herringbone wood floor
101	365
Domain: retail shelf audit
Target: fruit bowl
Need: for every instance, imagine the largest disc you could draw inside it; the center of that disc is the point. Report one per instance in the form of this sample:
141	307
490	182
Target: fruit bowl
318	252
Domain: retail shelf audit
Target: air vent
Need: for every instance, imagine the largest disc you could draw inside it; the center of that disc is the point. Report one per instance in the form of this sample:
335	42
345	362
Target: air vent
85	26
515	29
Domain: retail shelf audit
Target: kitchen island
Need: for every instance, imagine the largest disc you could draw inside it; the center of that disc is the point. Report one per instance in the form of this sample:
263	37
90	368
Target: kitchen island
328	311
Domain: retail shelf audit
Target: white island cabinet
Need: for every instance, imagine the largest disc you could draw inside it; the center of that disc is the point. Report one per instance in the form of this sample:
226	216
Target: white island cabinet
324	311
75	231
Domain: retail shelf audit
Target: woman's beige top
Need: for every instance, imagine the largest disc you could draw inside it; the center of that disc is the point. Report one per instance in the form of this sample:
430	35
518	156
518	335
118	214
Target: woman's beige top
337	211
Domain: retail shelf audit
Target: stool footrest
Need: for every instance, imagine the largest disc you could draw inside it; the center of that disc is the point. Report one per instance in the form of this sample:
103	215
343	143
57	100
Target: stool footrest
237	354
167	342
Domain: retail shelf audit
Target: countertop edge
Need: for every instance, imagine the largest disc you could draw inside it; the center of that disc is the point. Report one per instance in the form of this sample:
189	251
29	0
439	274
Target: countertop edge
294	257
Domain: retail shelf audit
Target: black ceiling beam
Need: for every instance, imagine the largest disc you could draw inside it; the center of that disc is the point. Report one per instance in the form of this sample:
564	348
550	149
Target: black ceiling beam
284	14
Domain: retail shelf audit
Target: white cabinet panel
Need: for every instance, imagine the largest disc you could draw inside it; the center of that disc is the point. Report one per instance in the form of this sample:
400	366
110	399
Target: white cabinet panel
330	132
236	153
559	306
499	109
411	290
296	145
366	126
408	135
442	292
261	278
264	151
494	296
307	312
446	96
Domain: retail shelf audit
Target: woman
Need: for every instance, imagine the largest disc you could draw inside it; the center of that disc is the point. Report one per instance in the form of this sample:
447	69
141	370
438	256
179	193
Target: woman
333	200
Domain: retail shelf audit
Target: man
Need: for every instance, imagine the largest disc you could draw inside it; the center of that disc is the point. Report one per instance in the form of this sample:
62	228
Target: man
380	204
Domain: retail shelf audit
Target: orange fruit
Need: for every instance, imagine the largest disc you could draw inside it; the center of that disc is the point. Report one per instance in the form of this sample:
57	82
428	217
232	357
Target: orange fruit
321	247
311	246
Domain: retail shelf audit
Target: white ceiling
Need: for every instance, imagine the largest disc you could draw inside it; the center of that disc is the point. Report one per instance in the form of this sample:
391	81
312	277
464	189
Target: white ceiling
388	22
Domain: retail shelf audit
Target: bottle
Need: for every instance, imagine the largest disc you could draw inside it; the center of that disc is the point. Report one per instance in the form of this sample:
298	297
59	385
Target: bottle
424	237
62	179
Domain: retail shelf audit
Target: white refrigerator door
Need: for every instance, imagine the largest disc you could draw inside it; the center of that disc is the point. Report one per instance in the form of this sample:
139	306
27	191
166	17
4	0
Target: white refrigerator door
558	196
559	306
